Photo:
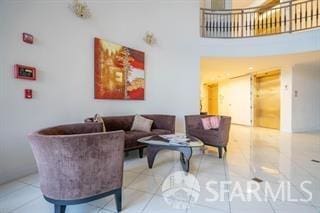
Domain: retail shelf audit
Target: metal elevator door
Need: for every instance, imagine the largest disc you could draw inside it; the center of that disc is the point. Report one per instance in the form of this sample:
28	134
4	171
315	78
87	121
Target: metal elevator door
267	100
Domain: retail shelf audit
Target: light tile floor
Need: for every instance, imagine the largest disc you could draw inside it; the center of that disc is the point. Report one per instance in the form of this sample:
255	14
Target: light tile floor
252	152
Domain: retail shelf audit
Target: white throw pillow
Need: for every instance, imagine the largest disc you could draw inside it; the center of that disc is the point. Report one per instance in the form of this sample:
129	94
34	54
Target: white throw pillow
97	118
141	124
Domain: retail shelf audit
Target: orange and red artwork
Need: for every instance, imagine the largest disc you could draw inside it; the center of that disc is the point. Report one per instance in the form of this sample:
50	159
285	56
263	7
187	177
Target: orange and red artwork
118	71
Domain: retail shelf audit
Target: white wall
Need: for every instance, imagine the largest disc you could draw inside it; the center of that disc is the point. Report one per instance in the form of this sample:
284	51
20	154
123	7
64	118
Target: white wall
224	98
205	4
63	55
306	97
286	99
208	4
204	97
235	99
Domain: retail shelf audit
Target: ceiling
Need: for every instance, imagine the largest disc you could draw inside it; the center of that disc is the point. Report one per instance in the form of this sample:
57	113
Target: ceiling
214	69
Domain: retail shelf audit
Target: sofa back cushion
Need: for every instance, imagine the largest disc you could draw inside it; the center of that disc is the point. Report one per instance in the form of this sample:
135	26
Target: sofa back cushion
113	123
72	129
166	122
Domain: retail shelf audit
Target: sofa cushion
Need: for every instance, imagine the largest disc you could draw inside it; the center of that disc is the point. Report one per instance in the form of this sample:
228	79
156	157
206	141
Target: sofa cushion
161	131
141	124
162	122
131	137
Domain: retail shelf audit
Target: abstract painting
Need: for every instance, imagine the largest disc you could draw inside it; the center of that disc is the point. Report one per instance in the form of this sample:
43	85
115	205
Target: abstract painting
118	71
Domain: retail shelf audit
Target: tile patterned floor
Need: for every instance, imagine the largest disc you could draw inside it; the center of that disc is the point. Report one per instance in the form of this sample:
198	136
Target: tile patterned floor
253	152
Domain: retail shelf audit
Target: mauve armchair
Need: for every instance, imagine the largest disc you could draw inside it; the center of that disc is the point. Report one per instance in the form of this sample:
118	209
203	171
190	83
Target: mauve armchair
214	137
78	163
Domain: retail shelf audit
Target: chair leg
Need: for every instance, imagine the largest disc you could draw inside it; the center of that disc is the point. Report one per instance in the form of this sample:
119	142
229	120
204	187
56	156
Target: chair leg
141	152
118	196
59	208
203	149
225	149
220	152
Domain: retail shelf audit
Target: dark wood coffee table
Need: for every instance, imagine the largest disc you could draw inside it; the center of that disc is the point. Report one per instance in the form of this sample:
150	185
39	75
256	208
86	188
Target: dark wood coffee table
155	144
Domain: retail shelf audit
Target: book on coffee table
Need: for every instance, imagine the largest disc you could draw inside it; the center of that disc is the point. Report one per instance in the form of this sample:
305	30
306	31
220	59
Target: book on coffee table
172	139
158	138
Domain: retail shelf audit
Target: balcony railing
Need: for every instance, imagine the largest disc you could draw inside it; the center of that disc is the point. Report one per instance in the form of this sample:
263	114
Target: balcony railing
285	17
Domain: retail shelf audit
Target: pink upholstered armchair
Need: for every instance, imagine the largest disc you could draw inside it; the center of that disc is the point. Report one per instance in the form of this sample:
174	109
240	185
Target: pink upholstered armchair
213	137
78	163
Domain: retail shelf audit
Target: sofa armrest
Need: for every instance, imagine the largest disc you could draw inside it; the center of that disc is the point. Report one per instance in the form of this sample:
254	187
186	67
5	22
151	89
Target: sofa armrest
224	129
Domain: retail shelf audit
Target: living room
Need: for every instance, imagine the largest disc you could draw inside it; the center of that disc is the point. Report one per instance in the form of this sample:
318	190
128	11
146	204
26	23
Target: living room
55	41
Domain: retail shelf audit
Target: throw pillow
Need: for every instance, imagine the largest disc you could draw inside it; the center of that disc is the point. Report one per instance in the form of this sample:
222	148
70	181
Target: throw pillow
211	122
98	118
206	123
141	124
215	122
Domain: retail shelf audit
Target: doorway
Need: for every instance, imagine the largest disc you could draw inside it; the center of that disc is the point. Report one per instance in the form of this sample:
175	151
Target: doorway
267	99
213	99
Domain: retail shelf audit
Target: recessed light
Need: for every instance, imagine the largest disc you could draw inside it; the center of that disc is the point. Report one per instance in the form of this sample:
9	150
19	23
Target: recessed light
270	170
250	68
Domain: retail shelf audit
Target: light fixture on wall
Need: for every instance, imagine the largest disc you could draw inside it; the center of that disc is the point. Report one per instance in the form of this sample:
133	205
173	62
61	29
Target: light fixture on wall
80	9
149	38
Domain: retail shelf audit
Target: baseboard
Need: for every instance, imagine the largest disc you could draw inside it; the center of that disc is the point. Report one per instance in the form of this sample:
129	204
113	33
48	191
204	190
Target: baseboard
17	173
286	130
245	125
303	130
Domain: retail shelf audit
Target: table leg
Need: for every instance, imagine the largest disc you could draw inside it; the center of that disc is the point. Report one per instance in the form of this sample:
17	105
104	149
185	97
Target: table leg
151	154
185	155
